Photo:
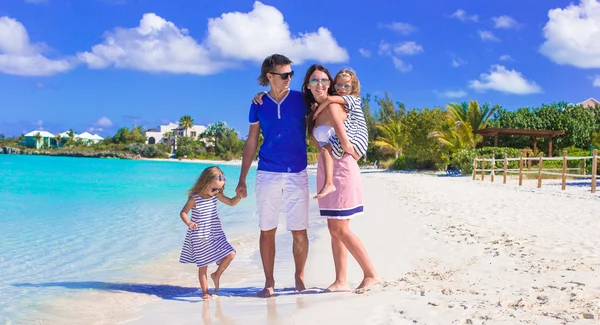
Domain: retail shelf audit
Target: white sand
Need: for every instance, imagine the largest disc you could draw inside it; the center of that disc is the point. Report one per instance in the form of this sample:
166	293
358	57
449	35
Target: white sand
450	250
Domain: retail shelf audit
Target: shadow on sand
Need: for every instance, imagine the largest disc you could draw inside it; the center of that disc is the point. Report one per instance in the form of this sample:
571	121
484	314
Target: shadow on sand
163	291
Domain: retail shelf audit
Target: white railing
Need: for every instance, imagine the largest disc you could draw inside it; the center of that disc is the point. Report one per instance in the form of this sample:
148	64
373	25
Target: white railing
540	172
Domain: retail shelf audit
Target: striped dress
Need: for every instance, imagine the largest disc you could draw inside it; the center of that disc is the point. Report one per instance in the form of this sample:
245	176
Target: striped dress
356	129
207	244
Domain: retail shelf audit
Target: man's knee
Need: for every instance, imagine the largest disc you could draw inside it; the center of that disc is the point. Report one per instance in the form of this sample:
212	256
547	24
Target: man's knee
268	234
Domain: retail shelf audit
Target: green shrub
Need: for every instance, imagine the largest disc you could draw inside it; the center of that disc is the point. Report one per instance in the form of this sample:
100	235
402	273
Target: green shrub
403	163
463	159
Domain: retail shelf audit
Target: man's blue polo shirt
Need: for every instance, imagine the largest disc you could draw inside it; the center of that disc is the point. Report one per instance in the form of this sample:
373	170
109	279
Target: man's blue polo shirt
284	130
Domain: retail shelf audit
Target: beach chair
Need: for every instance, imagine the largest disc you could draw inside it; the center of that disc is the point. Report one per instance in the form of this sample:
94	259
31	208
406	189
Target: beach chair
453	172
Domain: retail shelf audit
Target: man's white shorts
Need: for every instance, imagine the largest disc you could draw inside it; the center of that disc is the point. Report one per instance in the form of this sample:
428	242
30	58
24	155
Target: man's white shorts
291	189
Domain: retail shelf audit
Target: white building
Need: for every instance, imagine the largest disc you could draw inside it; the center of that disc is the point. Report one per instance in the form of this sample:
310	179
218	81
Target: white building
157	135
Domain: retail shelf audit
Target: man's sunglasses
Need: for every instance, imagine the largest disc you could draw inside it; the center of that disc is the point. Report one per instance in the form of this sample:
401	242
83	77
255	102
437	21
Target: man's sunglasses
284	75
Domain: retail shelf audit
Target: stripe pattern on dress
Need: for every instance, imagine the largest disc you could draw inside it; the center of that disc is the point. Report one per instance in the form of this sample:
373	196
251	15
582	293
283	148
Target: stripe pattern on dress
356	129
207	244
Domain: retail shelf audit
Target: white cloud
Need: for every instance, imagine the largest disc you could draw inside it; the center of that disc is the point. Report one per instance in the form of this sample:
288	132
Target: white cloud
104	122
401	65
452	93
158	45
384	48
93	129
463	16
18	56
364	52
597	81
402	28
486	35
572	35
263	31
503	80
506	57
38	123
505	22
457	62
408	48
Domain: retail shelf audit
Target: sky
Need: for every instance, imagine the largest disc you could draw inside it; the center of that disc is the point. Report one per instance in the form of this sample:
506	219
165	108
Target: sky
98	65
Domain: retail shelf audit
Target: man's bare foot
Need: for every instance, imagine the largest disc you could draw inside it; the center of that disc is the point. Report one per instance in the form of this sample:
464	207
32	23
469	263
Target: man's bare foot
205	296
215	279
265	293
337	287
328	188
368	282
300	284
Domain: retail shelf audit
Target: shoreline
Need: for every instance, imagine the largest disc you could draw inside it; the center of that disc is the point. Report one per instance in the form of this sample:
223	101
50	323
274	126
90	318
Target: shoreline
449	250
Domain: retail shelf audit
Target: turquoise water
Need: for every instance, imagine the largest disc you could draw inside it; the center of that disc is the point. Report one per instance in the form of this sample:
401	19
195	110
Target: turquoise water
84	219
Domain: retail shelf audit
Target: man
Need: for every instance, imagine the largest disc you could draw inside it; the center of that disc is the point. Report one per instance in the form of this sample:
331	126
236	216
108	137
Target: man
281	177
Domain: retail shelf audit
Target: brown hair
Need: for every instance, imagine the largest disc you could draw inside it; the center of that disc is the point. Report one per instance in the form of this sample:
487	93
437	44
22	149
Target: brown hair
353	80
268	64
309	99
204	180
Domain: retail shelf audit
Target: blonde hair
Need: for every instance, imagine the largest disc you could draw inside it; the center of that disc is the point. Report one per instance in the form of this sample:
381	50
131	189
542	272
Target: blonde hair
353	80
203	182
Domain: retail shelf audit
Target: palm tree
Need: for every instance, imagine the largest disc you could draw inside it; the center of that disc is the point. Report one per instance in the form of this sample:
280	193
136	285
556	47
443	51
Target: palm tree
455	135
186	122
38	139
71	134
392	138
57	138
477	116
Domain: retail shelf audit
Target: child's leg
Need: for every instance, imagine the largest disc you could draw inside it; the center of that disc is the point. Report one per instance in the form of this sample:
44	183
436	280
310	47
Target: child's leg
328	186
216	276
203	281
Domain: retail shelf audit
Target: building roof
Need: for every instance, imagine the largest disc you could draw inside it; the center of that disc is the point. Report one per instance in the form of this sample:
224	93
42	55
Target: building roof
589	102
85	135
538	133
41	132
97	137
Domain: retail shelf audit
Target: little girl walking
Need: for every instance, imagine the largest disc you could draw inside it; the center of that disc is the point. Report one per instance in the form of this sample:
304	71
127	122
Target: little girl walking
205	242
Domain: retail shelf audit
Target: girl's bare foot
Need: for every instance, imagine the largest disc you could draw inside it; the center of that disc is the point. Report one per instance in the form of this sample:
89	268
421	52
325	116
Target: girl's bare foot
265	293
215	279
327	188
337	287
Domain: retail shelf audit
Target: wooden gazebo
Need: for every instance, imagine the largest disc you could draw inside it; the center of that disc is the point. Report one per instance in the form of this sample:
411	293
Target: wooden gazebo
534	134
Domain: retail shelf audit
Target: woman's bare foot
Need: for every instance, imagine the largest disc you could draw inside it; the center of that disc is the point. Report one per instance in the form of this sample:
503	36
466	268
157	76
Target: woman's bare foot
327	188
300	284
205	296
215	279
368	281
337	287
265	293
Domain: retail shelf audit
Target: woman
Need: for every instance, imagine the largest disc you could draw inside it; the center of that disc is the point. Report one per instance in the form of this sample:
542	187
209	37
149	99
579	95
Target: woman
346	201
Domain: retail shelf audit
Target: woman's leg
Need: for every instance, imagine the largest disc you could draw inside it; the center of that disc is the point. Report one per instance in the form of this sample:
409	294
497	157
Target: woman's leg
340	260
216	276
340	229
203	281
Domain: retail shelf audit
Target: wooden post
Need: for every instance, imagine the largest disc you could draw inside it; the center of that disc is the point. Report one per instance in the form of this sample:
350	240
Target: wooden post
505	167
564	171
482	168
474	167
540	171
594	168
528	161
493	165
521	169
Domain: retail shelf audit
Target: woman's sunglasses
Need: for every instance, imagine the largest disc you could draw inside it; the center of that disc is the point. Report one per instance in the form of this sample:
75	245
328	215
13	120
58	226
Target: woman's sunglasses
314	82
284	75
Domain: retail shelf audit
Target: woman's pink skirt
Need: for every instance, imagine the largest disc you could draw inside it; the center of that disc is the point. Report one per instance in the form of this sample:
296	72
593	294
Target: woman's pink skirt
347	200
